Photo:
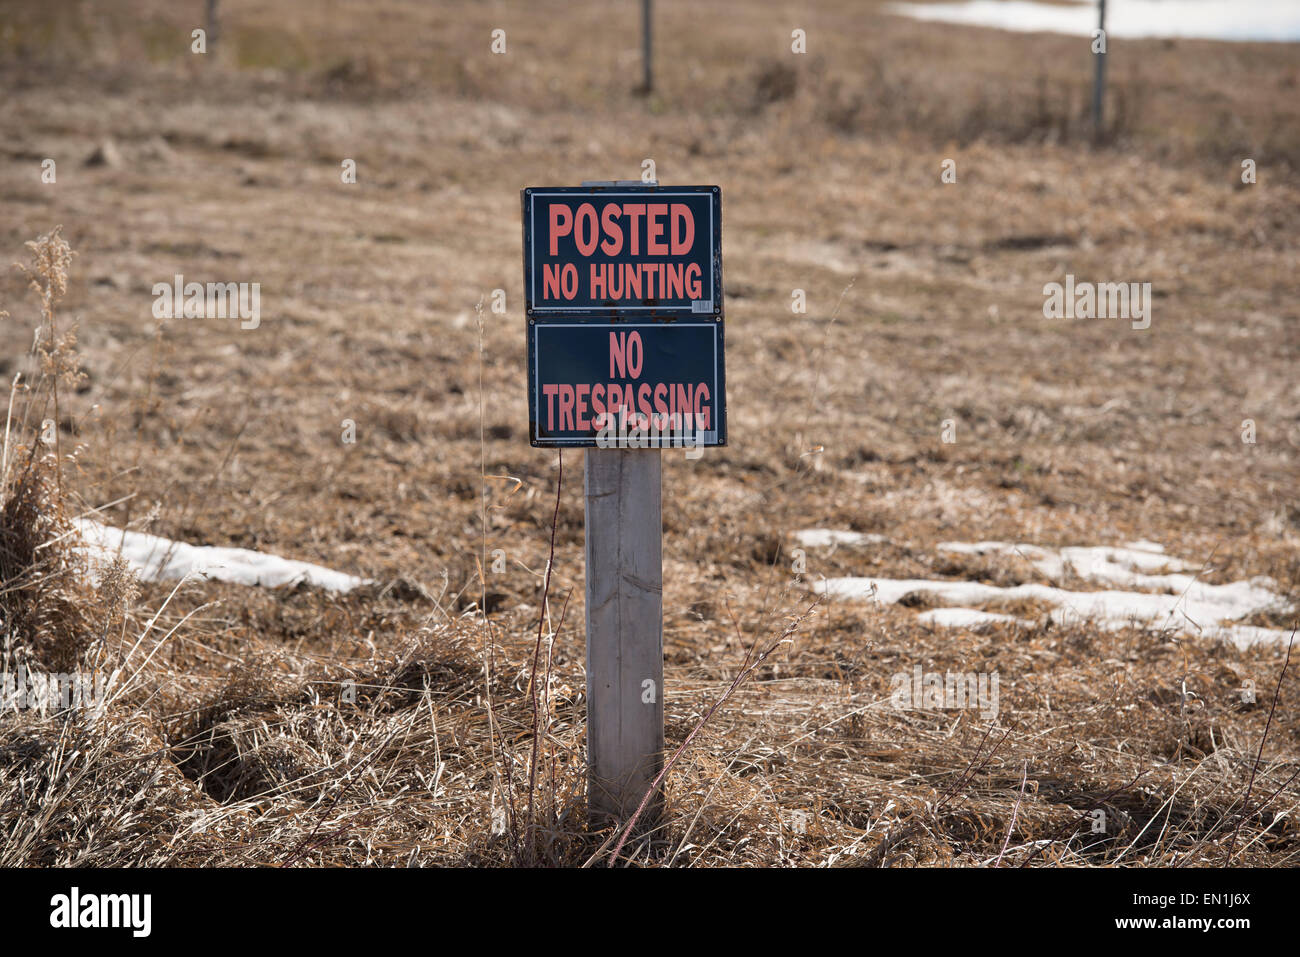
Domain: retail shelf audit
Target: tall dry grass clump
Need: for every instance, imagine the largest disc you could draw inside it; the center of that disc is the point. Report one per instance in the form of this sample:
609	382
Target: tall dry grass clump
49	609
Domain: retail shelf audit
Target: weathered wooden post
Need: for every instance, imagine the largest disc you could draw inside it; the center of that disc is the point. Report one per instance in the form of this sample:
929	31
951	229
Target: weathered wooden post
1099	76
623	292
213	26
647	47
625	658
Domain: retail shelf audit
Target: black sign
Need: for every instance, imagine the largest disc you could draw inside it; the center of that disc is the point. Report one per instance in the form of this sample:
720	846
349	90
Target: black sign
623	289
638	252
617	384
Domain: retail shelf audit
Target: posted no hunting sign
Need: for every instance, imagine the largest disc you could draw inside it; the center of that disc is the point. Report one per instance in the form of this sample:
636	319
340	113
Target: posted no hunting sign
623	292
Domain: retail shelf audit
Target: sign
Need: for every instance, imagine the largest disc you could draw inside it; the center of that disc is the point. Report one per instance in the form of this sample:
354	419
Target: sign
643	251
618	384
623	291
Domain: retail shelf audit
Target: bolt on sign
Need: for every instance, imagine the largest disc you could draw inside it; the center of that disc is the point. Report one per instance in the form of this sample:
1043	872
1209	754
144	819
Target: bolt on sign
623	292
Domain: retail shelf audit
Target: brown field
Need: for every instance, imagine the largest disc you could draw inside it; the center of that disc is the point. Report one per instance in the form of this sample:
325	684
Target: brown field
230	742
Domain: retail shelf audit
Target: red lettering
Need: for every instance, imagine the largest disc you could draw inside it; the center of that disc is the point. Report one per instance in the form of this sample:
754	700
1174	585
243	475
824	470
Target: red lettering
683	217
561	225
702	409
550	280
634	364
661	397
614	243
549	391
586	242
654	229
681	401
617	355
566	407
569	280
633	212
580	397
674	289
694	288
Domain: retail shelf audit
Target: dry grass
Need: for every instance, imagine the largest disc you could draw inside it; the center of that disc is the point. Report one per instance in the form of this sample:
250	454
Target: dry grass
234	736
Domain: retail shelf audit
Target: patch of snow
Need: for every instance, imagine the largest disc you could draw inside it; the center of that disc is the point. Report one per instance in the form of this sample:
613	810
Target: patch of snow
1109	565
1259	20
822	537
155	558
965	617
1154	591
1243	636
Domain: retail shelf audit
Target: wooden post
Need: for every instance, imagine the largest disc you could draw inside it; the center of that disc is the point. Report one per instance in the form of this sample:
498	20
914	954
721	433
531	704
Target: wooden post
213	26
647	48
1099	77
625	662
